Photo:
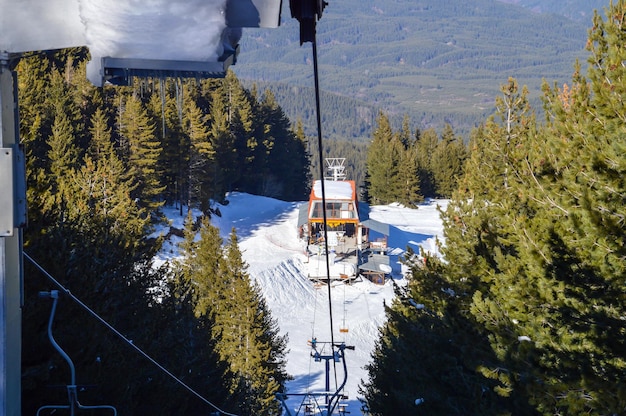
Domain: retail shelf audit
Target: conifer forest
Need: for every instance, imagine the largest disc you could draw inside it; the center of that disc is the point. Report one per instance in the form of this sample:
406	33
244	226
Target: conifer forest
524	313
101	163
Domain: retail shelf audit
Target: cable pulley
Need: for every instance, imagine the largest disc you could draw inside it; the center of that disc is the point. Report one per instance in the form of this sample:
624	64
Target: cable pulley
307	12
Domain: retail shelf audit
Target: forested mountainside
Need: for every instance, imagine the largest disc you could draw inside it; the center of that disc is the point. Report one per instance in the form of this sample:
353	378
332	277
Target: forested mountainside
436	61
581	10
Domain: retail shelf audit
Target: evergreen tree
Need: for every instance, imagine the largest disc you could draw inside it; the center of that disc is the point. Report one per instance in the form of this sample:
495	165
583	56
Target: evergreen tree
103	189
524	234
447	162
85	212
141	150
242	121
425	144
484	225
408	177
249	337
90	190
63	160
428	349
407	138
201	158
286	164
382	162
202	261
224	172
532	258
165	109
393	165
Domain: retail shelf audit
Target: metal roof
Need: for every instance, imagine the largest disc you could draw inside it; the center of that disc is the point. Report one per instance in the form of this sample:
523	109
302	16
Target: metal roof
303	215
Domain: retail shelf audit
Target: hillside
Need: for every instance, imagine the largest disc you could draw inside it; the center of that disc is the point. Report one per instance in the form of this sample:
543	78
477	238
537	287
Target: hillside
437	61
580	10
268	240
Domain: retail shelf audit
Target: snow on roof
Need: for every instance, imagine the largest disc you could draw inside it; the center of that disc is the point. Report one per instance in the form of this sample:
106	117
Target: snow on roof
334	189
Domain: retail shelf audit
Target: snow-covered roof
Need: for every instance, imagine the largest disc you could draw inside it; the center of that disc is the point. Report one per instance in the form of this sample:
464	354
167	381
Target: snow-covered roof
334	189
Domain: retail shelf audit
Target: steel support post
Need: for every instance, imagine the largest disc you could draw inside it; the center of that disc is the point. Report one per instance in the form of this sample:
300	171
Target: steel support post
10	248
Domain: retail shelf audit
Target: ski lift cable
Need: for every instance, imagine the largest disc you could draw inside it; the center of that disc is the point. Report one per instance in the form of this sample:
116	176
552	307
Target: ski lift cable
122	337
325	216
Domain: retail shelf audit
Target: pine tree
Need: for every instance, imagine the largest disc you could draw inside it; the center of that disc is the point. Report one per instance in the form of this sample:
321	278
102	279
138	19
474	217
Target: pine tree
534	235
447	162
203	266
581	177
165	108
103	189
87	216
425	144
249	337
102	254
408	176
63	156
428	349
141	151
278	153
201	158
243	110
224	172
485	225
382	162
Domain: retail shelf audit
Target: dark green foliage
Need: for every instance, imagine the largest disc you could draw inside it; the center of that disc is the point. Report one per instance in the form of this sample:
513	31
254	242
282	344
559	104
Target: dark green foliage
535	250
429	350
343	118
383	157
405	167
96	158
246	144
248	337
286	158
140	149
446	163
426	143
165	107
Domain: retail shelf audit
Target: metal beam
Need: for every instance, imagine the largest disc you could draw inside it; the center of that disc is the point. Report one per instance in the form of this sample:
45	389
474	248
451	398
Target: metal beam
10	251
120	71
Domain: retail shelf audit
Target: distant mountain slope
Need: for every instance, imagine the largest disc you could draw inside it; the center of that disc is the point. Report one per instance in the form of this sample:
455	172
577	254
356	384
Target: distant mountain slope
437	61
581	10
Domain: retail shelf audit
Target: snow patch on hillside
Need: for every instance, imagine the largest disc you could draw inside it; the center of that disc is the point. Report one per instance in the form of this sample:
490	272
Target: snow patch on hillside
267	233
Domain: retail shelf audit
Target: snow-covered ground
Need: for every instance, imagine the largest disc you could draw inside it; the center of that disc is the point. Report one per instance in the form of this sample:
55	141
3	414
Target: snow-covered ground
267	232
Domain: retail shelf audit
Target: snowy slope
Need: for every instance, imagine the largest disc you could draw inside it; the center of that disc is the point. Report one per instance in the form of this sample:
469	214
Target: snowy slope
266	229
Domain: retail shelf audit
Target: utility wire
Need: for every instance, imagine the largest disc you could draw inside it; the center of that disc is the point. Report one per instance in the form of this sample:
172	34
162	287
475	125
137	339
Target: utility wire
119	334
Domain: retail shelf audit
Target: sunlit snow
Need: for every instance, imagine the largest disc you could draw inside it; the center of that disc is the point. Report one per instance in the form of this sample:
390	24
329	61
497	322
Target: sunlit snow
267	232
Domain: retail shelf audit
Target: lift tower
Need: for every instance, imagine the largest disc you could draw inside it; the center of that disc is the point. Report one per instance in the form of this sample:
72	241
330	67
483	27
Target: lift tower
12	218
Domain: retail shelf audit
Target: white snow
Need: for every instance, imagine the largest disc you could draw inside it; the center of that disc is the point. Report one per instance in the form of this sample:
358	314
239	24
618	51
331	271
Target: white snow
333	189
267	232
188	30
183	30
